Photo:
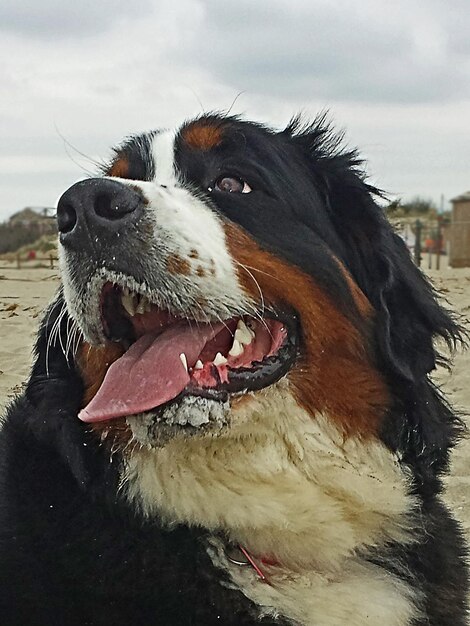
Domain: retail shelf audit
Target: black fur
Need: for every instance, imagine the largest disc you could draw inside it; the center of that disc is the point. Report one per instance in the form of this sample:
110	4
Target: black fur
72	553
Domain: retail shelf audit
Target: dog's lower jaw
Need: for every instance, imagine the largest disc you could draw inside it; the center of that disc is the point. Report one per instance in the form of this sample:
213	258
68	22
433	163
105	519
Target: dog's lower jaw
188	417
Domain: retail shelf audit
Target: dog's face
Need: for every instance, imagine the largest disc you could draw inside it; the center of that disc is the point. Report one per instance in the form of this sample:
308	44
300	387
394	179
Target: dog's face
204	269
250	329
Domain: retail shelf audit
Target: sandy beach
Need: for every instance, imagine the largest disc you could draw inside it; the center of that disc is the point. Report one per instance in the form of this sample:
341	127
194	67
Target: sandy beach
26	292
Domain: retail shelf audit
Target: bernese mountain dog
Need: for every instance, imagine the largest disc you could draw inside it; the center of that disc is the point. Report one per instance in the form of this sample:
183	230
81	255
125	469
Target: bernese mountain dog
230	418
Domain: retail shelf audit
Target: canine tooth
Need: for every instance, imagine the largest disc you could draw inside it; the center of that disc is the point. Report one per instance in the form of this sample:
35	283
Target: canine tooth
198	365
243	334
141	307
242	337
184	361
220	359
128	303
236	349
125	290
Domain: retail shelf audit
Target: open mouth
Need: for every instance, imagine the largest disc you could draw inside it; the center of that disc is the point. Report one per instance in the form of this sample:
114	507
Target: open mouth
168	357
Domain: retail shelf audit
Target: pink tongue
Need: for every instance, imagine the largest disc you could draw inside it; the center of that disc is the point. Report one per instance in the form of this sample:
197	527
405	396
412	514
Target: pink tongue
150	373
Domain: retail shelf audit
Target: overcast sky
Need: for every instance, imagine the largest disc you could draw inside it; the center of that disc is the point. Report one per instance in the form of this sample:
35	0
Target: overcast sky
394	75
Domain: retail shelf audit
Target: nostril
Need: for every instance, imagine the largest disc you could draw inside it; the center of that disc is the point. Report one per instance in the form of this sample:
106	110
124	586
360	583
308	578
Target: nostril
106	206
113	206
66	218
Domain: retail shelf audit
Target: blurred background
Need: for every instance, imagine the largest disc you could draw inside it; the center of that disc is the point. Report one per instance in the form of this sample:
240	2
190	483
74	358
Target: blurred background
77	77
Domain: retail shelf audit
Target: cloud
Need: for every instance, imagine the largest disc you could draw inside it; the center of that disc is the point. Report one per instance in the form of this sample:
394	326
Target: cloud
59	19
370	51
396	75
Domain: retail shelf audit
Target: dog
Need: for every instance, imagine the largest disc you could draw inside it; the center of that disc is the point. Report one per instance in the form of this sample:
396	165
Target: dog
230	419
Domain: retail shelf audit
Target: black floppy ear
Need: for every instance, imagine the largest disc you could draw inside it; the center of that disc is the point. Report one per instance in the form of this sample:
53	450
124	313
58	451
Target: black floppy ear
420	426
409	316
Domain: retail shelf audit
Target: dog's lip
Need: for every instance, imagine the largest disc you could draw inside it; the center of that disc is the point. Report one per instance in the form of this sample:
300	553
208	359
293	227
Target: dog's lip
182	356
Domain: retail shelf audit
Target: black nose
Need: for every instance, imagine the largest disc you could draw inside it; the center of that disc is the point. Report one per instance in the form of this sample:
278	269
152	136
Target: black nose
96	207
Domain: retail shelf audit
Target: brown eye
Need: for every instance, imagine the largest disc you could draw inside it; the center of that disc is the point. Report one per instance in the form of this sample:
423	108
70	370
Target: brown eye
231	184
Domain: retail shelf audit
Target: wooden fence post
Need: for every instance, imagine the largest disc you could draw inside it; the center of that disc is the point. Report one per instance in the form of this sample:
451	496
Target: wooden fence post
439	242
418	233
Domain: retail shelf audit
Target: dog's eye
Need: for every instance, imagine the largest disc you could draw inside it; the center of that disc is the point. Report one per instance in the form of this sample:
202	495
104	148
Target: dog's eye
231	184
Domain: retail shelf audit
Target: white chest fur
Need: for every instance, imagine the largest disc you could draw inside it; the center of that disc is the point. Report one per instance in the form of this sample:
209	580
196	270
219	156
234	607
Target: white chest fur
284	484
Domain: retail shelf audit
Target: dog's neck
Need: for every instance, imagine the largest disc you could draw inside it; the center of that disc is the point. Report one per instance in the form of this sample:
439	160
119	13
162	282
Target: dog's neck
279	483
299	498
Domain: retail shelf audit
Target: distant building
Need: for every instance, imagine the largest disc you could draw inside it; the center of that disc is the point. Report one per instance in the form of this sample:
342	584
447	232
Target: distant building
41	219
459	236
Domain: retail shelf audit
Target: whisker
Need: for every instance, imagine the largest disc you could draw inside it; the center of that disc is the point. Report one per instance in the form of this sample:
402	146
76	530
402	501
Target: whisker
67	143
240	93
258	315
53	335
69	330
61	342
255	269
78	340
256	283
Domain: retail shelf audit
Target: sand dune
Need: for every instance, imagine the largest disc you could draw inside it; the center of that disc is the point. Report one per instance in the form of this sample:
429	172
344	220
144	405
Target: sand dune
24	294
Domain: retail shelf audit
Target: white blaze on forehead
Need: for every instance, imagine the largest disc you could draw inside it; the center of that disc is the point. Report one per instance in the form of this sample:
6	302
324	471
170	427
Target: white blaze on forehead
163	151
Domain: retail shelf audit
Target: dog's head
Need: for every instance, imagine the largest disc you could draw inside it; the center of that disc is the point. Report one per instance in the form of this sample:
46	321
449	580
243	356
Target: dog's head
224	279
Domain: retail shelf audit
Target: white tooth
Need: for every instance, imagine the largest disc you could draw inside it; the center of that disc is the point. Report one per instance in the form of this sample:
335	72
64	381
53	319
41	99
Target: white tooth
128	303
198	365
236	349
148	306
243	334
184	361
141	307
242	337
220	359
126	291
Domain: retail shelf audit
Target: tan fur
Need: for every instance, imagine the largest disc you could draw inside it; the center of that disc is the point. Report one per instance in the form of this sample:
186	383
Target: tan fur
335	373
291	487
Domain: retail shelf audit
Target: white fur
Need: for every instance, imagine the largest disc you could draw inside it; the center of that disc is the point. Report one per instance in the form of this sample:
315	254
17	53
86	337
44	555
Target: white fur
185	223
358	594
289	486
163	151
